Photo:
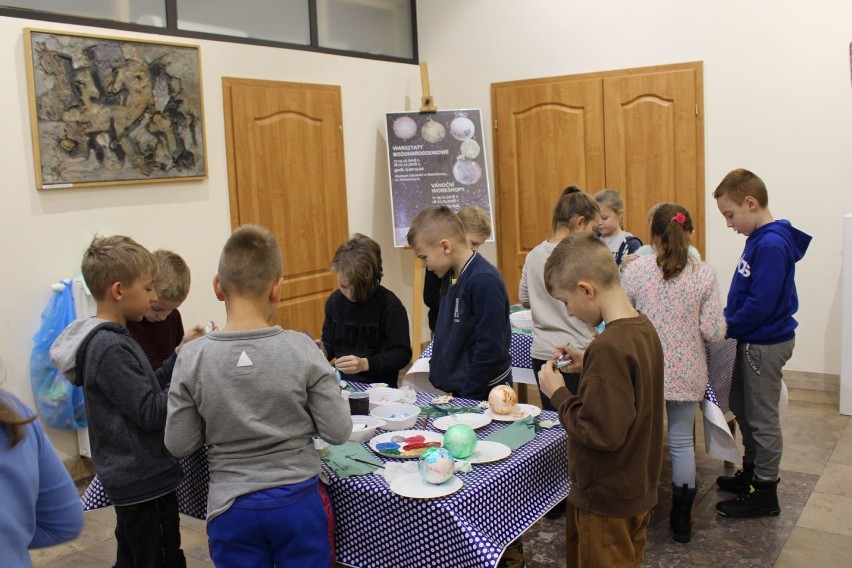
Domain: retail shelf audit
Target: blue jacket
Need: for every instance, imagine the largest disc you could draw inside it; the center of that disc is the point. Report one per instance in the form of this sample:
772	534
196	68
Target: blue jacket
762	298
470	353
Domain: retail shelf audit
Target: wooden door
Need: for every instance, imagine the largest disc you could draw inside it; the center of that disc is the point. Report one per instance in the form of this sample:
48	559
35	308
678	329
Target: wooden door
286	172
548	135
655	143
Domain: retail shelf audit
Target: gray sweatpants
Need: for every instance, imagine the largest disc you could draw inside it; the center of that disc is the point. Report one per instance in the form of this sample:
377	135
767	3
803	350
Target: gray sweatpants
755	394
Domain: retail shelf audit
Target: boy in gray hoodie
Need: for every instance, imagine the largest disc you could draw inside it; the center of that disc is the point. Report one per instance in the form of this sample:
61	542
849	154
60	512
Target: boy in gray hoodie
126	403
256	395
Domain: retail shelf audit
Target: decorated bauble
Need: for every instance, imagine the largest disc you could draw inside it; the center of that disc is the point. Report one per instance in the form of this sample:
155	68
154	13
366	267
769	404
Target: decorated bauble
433	132
404	127
436	465
470	149
465	171
502	399
462	127
460	440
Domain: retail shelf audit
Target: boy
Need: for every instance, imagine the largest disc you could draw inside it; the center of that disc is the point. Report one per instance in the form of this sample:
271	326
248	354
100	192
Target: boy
470	353
477	228
761	303
257	395
125	402
160	330
615	421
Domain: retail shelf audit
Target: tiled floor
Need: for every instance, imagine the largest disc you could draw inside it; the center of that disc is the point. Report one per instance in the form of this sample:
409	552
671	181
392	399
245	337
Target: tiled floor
814	528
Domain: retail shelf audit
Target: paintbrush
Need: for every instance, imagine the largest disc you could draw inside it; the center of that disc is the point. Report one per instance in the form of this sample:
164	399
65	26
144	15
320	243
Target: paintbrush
353	458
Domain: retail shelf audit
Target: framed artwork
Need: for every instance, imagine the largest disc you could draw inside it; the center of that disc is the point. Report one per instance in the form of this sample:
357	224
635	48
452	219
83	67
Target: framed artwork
107	111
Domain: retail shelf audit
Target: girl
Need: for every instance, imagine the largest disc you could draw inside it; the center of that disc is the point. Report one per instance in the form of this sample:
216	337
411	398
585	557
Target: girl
680	295
552	326
365	333
611	226
40	503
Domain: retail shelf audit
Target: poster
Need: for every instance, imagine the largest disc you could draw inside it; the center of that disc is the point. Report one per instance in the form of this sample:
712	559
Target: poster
435	158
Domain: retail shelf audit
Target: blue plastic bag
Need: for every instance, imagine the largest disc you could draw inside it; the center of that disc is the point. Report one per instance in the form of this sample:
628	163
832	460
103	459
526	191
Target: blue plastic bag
60	403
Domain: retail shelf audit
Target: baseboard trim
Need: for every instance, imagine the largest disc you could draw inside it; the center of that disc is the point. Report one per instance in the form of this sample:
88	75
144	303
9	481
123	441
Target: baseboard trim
806	380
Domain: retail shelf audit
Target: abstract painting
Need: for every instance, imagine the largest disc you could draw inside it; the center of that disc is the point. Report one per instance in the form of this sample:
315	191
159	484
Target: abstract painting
108	111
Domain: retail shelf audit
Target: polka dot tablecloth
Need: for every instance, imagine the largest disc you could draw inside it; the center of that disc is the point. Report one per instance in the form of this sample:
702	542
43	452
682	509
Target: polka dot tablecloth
519	350
375	527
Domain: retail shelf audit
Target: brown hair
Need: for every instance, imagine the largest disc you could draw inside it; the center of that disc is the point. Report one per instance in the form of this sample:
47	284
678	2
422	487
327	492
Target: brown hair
359	261
115	259
739	184
612	199
574	203
173	281
435	223
475	220
580	256
250	261
672	225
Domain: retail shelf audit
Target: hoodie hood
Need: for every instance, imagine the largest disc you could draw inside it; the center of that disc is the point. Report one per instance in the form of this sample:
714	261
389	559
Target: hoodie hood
69	349
797	240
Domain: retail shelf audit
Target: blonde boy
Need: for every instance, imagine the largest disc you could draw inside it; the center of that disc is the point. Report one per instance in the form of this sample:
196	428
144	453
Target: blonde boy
126	403
615	421
762	300
257	395
470	352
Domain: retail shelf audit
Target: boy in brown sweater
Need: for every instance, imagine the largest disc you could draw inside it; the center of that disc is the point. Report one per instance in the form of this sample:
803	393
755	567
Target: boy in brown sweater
615	421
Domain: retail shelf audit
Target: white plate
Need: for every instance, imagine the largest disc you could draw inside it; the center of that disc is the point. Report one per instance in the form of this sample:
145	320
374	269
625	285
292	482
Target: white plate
521	319
487	452
386	437
521	410
473	420
412	485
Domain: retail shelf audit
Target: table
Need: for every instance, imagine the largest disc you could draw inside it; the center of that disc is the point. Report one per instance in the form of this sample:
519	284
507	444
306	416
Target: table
375	527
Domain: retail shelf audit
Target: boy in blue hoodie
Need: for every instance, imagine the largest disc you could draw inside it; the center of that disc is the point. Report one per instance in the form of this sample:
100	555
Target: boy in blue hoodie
761	303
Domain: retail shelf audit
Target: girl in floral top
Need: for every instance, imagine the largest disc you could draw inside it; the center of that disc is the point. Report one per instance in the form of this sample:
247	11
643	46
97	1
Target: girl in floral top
680	295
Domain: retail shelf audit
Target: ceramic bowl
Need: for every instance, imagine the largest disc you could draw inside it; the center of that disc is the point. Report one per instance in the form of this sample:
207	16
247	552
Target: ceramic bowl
398	416
364	428
383	396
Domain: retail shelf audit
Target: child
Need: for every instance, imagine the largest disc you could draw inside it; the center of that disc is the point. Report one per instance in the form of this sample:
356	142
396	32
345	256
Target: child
680	296
365	330
646	250
477	227
761	303
615	421
160	330
125	402
574	212
470	353
256	395
611	226
40	503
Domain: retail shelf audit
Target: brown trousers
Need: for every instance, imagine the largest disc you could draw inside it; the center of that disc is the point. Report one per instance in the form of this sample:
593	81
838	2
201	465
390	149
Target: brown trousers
593	541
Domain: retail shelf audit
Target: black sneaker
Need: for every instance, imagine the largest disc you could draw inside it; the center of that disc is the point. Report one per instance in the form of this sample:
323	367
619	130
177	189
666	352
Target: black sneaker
738	482
760	500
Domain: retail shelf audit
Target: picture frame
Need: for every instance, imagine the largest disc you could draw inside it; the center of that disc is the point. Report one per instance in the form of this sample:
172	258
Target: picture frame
111	111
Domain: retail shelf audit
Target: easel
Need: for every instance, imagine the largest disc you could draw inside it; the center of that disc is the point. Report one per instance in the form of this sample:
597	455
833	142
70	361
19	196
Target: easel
427	104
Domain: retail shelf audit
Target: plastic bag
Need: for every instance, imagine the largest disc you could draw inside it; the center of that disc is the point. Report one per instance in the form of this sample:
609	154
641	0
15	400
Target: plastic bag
60	403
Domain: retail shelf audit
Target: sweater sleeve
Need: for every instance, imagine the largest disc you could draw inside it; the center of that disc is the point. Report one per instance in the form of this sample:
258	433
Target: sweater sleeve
184	424
491	328
711	316
768	268
132	387
328	329
523	286
396	341
431	290
58	513
328	409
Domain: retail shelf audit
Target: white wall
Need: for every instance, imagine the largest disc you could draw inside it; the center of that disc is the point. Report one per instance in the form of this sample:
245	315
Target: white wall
43	233
778	101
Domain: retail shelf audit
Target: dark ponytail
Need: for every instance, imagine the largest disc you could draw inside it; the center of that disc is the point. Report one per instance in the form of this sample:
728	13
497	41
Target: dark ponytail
573	203
672	226
12	422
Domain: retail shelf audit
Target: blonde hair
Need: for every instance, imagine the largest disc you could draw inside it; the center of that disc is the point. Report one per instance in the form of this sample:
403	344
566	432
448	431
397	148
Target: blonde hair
739	184
359	261
435	223
580	256
113	259
612	199
572	204
475	220
174	279
250	261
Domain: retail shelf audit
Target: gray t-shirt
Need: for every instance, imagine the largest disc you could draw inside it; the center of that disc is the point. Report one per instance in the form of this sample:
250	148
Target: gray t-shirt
256	398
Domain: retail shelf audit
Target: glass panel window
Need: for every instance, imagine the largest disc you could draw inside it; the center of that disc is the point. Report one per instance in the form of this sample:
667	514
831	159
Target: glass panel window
286	21
382	27
145	12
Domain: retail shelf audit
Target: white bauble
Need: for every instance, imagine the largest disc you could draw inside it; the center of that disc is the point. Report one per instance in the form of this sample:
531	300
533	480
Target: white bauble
470	149
433	132
466	172
462	127
404	127
502	399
